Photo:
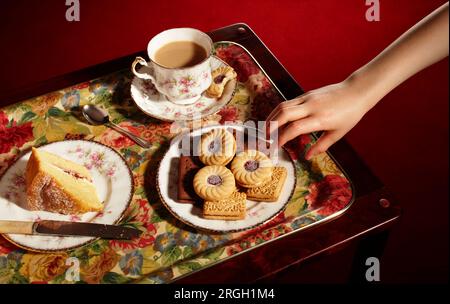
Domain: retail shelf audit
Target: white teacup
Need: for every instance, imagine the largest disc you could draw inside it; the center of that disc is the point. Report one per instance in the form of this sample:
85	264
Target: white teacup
180	85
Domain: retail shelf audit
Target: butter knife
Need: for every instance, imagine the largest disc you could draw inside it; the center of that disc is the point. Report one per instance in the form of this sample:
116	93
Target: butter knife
61	228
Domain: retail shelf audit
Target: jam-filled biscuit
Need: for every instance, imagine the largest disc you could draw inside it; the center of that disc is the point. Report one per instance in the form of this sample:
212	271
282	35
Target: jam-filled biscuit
251	168
217	147
214	183
220	78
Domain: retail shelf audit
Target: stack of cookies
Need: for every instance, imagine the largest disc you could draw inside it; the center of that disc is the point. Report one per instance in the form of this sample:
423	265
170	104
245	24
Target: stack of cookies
225	190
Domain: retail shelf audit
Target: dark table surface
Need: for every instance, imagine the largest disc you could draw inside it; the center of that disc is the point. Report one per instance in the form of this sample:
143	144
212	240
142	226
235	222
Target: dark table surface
370	216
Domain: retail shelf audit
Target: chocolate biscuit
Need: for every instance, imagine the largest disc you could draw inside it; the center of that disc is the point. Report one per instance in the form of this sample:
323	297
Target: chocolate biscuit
188	167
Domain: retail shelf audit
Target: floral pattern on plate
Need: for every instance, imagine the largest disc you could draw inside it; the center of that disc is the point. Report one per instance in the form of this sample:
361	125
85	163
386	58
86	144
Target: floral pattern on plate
94	159
102	162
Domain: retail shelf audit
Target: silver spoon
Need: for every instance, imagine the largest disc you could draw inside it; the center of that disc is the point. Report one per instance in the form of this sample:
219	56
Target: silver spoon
98	116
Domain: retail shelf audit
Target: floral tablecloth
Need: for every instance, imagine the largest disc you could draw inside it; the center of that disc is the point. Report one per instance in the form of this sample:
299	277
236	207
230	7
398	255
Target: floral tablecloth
167	249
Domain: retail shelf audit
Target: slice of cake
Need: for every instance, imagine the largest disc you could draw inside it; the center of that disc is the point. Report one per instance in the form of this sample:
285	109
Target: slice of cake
58	185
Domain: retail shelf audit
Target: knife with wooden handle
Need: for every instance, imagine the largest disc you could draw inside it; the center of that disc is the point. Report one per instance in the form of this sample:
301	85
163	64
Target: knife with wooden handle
61	228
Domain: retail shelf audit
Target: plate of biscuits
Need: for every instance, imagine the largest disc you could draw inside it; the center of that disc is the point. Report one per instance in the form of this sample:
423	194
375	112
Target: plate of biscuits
70	180
218	179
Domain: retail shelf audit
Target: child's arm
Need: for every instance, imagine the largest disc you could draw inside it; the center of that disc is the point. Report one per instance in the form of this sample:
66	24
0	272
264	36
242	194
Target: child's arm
337	108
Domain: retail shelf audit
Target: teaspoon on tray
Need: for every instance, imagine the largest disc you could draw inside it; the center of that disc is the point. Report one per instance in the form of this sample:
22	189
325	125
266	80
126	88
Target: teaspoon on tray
98	116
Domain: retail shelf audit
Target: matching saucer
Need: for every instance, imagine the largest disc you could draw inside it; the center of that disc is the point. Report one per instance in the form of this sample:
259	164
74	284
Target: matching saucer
156	105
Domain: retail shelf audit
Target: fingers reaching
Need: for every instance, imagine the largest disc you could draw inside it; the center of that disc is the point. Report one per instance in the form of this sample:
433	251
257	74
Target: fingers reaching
287	115
284	114
334	109
323	143
284	104
296	128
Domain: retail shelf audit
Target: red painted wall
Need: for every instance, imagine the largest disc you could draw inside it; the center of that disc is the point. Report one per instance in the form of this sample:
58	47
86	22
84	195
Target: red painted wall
404	139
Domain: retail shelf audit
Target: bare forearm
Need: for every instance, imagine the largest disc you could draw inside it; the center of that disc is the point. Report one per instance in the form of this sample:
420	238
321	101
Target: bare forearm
421	46
337	108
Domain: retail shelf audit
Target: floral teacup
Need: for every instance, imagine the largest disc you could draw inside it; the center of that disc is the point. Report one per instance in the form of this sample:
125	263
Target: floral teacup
180	85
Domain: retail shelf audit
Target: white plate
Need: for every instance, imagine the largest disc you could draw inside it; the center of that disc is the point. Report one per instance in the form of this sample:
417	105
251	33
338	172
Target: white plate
156	105
257	212
111	177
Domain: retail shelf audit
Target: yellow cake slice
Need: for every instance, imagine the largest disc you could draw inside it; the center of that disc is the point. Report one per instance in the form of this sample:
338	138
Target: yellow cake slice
58	185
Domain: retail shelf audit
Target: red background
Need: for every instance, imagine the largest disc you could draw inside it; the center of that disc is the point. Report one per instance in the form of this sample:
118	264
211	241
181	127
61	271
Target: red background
404	139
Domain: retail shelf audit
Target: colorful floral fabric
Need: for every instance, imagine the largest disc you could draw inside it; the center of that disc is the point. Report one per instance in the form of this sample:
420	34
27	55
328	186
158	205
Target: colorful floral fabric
166	249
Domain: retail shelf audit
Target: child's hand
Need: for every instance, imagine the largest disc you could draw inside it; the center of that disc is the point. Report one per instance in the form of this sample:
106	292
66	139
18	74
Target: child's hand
335	109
